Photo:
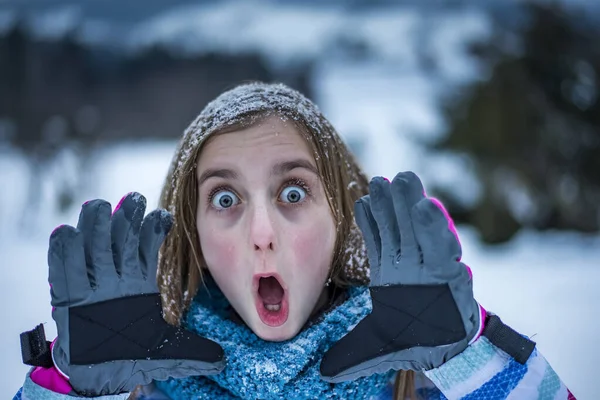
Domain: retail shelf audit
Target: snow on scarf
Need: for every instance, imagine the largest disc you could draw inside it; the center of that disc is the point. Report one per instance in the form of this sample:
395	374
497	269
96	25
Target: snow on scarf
257	369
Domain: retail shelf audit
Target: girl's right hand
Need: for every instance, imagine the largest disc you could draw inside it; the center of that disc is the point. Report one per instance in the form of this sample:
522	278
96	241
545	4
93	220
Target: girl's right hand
111	333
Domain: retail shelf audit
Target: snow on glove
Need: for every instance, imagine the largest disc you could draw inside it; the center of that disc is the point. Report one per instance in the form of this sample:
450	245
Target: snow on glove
423	312
111	333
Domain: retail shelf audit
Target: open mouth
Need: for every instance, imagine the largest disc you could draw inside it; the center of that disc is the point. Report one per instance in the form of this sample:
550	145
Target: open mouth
271	300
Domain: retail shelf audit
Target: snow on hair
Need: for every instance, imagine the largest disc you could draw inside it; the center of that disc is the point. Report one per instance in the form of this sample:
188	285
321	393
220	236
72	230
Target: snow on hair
252	98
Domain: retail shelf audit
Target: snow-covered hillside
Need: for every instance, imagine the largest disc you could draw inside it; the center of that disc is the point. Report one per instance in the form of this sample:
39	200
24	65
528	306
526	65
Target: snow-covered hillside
545	285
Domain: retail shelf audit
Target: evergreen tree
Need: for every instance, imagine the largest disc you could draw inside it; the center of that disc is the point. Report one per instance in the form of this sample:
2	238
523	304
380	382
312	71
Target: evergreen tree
533	128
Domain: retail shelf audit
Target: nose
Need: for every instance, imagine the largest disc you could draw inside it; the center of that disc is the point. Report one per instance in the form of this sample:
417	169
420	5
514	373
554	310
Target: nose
262	230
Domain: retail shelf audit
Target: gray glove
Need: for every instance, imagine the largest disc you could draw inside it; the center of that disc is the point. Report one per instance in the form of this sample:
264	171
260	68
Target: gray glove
111	333
424	312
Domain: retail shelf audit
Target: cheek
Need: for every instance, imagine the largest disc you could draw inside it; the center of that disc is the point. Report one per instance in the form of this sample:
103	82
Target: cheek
219	249
313	248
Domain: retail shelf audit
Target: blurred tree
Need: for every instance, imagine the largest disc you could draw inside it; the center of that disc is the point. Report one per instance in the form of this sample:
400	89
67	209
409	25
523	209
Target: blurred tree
65	96
533	128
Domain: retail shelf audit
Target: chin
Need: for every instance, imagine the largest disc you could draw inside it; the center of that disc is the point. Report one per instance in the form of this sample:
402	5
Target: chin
279	334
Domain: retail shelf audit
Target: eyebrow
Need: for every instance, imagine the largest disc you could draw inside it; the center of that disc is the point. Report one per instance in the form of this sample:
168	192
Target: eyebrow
217	173
286	166
278	170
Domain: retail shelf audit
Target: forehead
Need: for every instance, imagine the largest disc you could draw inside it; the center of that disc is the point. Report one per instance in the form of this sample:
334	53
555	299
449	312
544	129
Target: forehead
271	137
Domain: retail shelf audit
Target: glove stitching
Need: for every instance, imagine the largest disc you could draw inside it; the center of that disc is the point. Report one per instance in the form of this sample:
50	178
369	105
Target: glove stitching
122	245
115	332
90	263
409	221
157	240
64	270
416	318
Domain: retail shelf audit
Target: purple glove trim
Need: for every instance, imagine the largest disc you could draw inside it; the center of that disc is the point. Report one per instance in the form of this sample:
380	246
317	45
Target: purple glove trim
51	378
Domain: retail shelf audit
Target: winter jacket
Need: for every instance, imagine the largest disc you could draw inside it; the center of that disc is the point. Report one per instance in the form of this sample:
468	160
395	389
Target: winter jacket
482	371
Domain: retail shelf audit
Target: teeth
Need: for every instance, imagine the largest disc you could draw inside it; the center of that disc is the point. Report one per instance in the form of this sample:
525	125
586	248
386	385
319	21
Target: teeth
273	307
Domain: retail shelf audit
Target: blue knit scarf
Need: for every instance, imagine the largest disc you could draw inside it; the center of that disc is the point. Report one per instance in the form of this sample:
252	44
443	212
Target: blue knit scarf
257	369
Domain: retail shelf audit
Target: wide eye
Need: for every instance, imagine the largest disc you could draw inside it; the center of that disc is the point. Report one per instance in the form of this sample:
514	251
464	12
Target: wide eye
224	199
292	194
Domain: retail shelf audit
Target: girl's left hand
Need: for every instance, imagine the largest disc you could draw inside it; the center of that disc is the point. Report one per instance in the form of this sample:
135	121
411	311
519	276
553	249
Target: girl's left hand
424	312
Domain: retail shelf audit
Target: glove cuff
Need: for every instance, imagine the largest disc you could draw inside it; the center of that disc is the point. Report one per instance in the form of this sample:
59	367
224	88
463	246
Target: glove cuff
55	364
51	379
35	349
37	352
507	339
482	324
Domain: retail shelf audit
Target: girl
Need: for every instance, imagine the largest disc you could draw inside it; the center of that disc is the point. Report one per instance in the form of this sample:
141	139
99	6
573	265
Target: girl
270	288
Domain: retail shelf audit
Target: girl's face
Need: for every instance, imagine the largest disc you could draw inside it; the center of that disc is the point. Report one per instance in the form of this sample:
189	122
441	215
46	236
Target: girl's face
265	226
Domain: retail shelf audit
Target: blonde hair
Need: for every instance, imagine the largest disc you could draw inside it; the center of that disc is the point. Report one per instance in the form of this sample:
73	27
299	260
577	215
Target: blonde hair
181	263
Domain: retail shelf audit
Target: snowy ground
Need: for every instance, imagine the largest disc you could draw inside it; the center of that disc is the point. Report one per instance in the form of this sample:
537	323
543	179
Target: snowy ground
545	285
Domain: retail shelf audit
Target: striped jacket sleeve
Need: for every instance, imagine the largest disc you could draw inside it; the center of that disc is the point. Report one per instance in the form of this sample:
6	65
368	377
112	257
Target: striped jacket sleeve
485	372
33	391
